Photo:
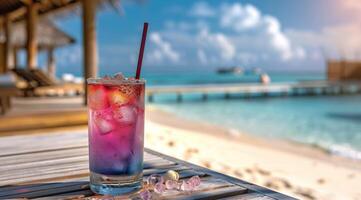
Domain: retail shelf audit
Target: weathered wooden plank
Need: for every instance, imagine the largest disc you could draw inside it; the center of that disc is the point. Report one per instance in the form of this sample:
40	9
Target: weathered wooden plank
44	144
184	172
47	189
12	151
163	169
56	163
215	193
72	161
248	196
45	175
17	189
79	135
68	170
210	188
53	154
44	155
33	168
27	169
157	163
68	196
34	184
49	192
44	163
37	190
34	143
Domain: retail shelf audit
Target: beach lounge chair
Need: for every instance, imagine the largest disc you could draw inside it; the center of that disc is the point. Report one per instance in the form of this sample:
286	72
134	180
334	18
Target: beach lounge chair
31	82
7	90
42	78
37	80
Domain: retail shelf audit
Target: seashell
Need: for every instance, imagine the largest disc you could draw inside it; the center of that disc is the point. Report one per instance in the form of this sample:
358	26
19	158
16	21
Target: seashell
171	175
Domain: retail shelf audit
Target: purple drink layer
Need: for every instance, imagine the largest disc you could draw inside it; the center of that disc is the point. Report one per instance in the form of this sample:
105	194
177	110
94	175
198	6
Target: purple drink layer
116	126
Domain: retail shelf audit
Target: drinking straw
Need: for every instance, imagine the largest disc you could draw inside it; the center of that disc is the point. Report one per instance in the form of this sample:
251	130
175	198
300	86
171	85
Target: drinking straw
141	50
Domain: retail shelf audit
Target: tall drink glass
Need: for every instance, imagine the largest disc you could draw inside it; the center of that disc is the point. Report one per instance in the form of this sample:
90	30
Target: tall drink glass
116	135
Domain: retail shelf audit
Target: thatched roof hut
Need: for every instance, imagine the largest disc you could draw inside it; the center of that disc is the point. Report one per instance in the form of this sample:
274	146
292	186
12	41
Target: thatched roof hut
50	36
32	12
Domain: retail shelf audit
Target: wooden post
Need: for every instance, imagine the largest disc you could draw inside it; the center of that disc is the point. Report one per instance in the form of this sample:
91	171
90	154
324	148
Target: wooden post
31	30
7	46
89	42
51	63
2	59
284	93
150	98
204	96
179	97
15	57
2	49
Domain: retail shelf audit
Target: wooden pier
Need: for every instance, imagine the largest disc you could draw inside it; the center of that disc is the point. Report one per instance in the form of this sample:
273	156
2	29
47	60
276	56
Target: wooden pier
252	90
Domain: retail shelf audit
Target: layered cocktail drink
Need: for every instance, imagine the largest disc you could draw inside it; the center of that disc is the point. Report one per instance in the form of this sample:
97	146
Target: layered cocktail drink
116	132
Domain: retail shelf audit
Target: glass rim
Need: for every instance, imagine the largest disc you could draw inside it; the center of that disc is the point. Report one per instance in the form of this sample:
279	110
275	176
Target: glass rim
115	81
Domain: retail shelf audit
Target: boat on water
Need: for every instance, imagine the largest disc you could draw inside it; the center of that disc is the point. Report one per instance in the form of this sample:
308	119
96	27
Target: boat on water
230	70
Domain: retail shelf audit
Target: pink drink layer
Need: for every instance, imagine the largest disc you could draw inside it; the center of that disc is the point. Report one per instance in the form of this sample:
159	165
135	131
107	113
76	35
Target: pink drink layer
116	126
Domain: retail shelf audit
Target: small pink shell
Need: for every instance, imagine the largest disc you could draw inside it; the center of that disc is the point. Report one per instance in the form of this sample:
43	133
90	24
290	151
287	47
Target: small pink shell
145	195
172	185
159	188
194	181
186	186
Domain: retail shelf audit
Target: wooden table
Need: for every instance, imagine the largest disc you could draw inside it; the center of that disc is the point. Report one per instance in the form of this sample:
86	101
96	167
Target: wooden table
55	166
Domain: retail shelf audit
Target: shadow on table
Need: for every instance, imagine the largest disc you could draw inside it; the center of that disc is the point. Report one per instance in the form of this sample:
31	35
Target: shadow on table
56	190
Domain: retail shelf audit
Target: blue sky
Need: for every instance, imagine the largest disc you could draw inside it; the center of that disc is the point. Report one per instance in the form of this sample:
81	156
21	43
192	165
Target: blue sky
187	35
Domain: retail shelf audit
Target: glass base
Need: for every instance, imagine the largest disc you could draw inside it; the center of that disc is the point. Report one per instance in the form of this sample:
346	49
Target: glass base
115	185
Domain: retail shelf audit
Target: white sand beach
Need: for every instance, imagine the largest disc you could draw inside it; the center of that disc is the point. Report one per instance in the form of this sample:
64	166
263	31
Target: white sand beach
297	170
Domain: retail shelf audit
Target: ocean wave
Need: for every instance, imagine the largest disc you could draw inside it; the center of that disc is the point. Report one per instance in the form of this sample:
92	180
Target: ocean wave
345	151
327	123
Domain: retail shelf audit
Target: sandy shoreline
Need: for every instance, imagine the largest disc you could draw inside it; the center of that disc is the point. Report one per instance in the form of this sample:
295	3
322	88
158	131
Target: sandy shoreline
295	169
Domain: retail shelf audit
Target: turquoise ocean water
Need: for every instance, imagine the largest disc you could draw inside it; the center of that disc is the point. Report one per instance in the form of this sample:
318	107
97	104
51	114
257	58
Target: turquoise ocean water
330	122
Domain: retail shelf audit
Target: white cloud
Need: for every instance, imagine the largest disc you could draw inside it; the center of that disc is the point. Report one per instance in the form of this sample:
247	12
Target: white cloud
236	35
331	42
240	18
248	18
246	58
202	9
202	56
217	44
162	49
300	52
278	40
